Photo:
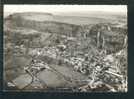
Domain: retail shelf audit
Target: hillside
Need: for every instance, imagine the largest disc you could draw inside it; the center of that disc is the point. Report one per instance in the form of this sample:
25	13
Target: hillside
77	20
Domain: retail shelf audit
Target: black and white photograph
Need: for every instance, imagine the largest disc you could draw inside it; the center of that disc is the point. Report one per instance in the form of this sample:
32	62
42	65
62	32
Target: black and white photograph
65	48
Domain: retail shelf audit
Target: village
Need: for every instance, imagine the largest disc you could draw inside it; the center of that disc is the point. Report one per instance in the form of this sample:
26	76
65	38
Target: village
82	58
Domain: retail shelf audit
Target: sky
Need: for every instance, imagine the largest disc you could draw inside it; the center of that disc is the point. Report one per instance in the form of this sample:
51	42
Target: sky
64	8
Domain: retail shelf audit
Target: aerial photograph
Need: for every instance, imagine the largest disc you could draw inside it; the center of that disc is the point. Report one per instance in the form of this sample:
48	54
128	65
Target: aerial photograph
65	48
